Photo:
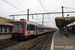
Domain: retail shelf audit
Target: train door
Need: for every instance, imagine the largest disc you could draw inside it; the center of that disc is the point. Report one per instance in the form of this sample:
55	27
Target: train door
36	30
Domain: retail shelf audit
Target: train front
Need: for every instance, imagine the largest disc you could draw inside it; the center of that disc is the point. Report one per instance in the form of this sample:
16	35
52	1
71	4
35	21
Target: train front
19	29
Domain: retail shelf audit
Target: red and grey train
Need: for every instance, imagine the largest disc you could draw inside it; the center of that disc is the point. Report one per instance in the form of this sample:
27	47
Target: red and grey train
25	28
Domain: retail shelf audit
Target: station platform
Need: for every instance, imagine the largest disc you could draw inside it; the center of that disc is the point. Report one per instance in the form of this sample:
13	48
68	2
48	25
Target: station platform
5	36
61	42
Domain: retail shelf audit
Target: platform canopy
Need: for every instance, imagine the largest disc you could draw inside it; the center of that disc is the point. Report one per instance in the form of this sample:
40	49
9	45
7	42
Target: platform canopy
4	21
61	21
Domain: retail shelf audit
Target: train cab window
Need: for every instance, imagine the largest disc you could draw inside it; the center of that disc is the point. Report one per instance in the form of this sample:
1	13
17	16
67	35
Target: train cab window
20	27
15	27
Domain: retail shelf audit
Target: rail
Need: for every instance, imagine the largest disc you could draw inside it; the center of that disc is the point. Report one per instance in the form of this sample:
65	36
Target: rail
40	44
7	43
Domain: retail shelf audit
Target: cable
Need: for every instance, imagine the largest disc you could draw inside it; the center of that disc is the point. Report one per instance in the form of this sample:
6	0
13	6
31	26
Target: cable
20	4
56	9
46	10
69	7
23	6
15	6
20	12
42	6
12	5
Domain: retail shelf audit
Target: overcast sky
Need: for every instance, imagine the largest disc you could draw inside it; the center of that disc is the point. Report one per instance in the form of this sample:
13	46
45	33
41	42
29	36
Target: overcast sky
9	7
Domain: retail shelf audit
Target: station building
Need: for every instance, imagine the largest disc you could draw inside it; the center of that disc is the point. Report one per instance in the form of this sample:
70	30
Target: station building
6	25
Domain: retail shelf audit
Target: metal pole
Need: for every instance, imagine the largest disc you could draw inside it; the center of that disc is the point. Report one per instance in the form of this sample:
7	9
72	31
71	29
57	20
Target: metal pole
27	14
13	17
66	30
43	20
62	12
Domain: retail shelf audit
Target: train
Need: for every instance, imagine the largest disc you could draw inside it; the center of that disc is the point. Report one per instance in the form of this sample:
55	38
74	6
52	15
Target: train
71	29
23	28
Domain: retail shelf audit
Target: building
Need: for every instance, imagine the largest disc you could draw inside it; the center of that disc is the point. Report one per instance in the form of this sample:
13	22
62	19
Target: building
6	25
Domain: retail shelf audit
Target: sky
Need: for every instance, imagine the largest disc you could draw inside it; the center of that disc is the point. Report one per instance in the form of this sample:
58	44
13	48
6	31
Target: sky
14	7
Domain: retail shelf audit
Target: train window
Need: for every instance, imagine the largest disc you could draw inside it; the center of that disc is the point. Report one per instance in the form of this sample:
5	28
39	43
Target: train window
32	27
20	26
15	27
28	26
41	29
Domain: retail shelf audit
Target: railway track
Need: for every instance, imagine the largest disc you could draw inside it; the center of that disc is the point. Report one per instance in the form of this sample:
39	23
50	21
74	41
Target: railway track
7	43
40	44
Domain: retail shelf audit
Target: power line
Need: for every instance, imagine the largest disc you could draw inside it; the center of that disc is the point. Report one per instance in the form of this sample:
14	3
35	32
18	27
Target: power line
46	8
20	4
20	12
69	8
56	9
15	6
12	5
42	6
45	13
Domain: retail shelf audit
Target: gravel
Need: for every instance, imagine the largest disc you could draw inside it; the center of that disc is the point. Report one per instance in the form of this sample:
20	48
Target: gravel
23	45
48	46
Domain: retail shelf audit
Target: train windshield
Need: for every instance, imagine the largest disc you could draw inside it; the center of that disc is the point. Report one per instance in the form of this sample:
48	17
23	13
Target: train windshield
18	25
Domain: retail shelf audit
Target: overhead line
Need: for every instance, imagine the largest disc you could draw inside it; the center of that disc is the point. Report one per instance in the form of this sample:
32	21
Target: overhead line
56	9
44	13
13	5
69	7
20	4
42	6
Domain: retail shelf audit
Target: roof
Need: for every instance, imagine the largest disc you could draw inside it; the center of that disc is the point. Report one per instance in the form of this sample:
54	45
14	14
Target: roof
4	21
61	21
33	23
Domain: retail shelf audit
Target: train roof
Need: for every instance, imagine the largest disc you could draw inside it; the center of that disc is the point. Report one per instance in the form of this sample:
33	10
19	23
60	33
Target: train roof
33	23
37	24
